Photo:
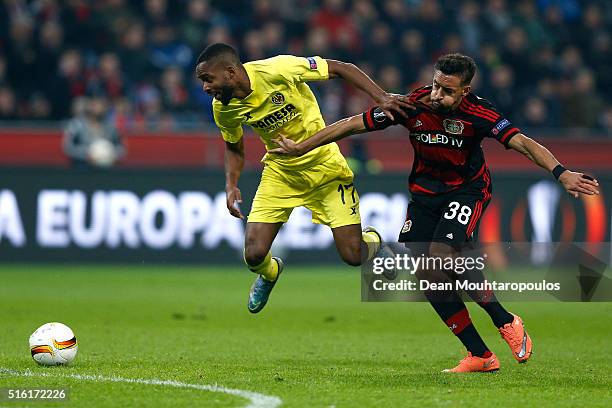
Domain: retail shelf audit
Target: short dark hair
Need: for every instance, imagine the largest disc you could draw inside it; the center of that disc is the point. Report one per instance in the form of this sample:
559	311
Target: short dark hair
219	50
453	64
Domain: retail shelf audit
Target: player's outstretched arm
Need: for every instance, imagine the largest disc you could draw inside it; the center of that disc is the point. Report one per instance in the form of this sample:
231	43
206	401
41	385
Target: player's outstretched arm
234	162
334	132
573	182
391	104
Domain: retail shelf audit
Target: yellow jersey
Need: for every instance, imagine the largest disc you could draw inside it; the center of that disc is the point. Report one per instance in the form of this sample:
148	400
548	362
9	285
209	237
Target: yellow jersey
280	102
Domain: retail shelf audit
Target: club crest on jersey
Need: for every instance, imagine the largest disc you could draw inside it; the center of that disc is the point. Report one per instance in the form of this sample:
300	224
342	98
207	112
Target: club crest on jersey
454	127
407	226
277	98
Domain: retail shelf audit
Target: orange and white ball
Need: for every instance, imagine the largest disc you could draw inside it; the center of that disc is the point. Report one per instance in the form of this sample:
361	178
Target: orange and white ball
53	344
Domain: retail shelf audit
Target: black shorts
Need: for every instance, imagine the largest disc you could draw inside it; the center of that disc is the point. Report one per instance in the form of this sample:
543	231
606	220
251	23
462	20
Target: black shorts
452	218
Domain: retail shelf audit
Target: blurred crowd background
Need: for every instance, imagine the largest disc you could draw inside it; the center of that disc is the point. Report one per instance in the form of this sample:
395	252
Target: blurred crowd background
545	63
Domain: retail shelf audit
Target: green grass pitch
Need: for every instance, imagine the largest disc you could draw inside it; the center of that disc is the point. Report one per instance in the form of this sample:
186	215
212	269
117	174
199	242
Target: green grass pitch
314	345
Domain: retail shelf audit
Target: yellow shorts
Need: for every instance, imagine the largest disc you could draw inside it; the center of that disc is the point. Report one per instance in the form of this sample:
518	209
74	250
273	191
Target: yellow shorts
326	189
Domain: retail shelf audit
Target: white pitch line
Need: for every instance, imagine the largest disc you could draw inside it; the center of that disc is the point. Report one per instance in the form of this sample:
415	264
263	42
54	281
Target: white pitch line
256	400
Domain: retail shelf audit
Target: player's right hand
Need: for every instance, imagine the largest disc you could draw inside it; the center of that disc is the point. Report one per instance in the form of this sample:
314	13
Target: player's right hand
578	183
234	198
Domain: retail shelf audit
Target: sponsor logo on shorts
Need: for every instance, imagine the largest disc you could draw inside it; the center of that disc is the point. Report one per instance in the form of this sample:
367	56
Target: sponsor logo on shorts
312	62
450	235
454	127
500	126
407	226
278	98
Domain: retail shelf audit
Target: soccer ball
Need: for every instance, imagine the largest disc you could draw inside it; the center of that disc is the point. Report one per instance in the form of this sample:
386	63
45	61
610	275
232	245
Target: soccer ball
53	344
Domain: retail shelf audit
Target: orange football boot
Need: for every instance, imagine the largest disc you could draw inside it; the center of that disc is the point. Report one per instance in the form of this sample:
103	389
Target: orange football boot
473	364
517	338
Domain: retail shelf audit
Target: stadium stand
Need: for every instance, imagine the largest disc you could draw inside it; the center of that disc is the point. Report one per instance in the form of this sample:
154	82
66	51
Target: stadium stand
545	63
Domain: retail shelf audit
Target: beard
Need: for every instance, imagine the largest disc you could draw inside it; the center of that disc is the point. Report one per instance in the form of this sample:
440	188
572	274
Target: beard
226	95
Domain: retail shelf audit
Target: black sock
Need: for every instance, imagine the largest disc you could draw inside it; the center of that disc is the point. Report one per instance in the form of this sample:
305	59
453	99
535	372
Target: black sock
487	300
473	342
498	314
462	327
453	312
450	307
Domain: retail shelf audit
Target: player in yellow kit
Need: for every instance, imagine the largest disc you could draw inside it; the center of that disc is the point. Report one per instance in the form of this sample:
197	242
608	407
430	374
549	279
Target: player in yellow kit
272	95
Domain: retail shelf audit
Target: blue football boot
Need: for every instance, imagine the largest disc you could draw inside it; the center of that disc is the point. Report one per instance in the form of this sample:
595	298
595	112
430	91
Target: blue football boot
261	289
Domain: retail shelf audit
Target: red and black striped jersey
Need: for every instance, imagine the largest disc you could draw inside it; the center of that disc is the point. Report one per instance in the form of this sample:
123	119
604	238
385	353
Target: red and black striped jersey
447	145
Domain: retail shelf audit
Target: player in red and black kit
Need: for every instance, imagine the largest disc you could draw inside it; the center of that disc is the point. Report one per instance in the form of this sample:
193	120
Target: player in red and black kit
450	187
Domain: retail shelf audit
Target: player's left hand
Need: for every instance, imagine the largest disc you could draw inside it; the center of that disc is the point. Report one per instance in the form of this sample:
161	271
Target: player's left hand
286	147
577	183
395	104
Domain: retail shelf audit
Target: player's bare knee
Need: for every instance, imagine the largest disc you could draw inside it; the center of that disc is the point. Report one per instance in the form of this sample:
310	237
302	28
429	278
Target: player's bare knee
440	250
431	275
422	274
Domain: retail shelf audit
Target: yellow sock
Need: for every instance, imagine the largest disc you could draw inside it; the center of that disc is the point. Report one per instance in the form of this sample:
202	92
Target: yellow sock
372	241
268	268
